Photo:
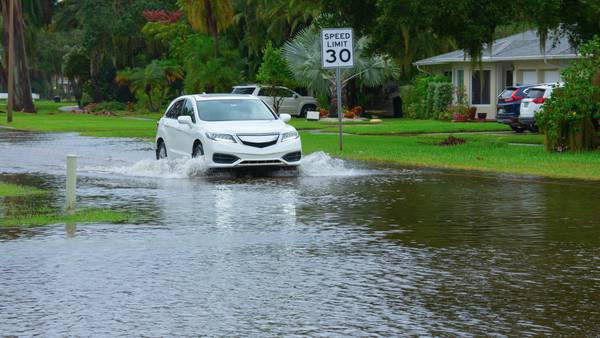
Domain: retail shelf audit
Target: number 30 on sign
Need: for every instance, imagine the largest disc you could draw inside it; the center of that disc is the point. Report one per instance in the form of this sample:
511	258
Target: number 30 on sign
336	48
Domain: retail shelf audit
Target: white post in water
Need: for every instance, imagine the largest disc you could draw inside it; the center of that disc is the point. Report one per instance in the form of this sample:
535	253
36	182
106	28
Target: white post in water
71	183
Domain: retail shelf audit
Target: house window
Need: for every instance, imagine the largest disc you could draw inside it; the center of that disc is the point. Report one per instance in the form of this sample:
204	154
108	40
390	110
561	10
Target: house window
480	87
459	84
448	75
460	79
529	77
509	78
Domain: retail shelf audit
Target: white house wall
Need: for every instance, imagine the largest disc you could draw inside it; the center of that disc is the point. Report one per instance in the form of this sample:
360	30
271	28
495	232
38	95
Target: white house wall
544	71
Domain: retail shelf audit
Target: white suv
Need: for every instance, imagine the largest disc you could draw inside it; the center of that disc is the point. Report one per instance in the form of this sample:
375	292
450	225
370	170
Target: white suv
536	96
291	102
226	131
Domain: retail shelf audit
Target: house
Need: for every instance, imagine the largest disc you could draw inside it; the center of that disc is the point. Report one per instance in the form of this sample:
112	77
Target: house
513	60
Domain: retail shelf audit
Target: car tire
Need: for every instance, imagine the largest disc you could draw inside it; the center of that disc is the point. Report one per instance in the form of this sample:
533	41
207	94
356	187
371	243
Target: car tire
161	150
306	108
197	150
518	129
534	129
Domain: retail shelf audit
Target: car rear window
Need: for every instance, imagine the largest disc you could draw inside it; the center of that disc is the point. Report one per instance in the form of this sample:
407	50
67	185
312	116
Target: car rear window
535	93
507	93
243	90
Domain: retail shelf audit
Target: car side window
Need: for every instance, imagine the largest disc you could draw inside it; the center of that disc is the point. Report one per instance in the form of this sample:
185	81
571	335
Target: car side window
264	92
175	110
283	92
188	110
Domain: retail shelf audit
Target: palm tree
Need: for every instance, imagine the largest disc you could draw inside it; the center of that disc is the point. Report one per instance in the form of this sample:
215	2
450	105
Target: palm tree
209	16
33	11
303	54
154	81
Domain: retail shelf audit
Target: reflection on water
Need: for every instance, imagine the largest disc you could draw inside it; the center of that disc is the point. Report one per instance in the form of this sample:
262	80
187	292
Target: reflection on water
360	253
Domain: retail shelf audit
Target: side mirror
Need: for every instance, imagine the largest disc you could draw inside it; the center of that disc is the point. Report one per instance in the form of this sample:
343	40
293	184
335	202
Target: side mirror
285	117
185	120
296	96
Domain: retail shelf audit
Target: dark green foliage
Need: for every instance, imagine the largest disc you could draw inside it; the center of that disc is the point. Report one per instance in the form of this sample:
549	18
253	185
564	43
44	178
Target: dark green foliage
442	98
203	71
274	72
570	117
418	99
76	66
111	106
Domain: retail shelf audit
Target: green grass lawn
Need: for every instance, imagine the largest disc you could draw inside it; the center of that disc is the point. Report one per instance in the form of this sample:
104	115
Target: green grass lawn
32	215
90	215
394	140
399	126
7	189
49	119
480	152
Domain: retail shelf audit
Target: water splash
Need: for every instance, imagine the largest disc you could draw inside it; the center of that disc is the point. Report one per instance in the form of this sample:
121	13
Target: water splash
179	168
321	164
317	164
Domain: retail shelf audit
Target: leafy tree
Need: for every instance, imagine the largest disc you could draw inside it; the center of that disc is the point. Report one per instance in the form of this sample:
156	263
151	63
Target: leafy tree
152	83
22	83
303	54
569	118
111	33
77	68
204	71
274	72
260	21
209	16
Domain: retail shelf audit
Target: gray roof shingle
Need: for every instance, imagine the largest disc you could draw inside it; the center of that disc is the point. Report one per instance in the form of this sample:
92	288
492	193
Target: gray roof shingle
521	46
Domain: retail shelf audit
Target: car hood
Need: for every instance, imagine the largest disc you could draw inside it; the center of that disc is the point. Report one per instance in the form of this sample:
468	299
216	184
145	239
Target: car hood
248	127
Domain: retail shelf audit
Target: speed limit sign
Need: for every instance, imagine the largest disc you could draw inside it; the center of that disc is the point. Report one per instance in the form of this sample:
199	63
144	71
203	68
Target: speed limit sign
337	48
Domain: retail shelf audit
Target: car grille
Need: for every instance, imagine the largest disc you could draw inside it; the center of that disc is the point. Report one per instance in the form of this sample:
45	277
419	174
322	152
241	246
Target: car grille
259	144
293	157
252	140
224	158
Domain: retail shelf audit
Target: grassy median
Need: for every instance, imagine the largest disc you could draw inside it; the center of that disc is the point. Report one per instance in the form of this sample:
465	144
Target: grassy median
403	141
23	212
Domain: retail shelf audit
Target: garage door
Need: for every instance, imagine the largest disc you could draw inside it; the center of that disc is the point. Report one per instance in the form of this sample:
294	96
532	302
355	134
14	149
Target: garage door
551	76
530	77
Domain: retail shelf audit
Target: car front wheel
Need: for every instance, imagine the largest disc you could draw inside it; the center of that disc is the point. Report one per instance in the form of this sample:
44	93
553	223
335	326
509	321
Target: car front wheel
518	129
161	151
306	109
198	150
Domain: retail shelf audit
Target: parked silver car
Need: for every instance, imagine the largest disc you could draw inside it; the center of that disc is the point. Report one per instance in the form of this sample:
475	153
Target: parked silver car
290	102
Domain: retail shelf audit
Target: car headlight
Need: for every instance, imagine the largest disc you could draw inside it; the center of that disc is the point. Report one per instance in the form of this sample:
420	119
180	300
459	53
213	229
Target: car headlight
290	135
221	137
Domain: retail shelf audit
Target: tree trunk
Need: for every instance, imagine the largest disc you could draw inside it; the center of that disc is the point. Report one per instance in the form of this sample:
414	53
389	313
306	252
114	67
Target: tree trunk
22	87
211	24
333	100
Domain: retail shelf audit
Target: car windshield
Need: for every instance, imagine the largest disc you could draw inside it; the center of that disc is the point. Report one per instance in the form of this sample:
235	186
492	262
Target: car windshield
243	90
535	93
234	110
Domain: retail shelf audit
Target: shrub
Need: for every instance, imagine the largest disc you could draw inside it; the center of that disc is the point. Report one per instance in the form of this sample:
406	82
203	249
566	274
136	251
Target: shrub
409	101
442	99
569	119
111	106
418	99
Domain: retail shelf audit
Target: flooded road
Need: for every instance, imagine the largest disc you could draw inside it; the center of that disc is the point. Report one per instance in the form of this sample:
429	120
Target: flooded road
338	249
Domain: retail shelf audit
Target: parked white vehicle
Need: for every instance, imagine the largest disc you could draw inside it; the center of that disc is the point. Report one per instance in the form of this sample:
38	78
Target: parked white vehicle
536	96
227	131
290	102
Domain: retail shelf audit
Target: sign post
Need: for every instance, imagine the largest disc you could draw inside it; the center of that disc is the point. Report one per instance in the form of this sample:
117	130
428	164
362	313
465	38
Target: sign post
337	51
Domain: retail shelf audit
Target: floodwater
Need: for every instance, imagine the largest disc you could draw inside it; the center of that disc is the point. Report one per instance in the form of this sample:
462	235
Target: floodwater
338	249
